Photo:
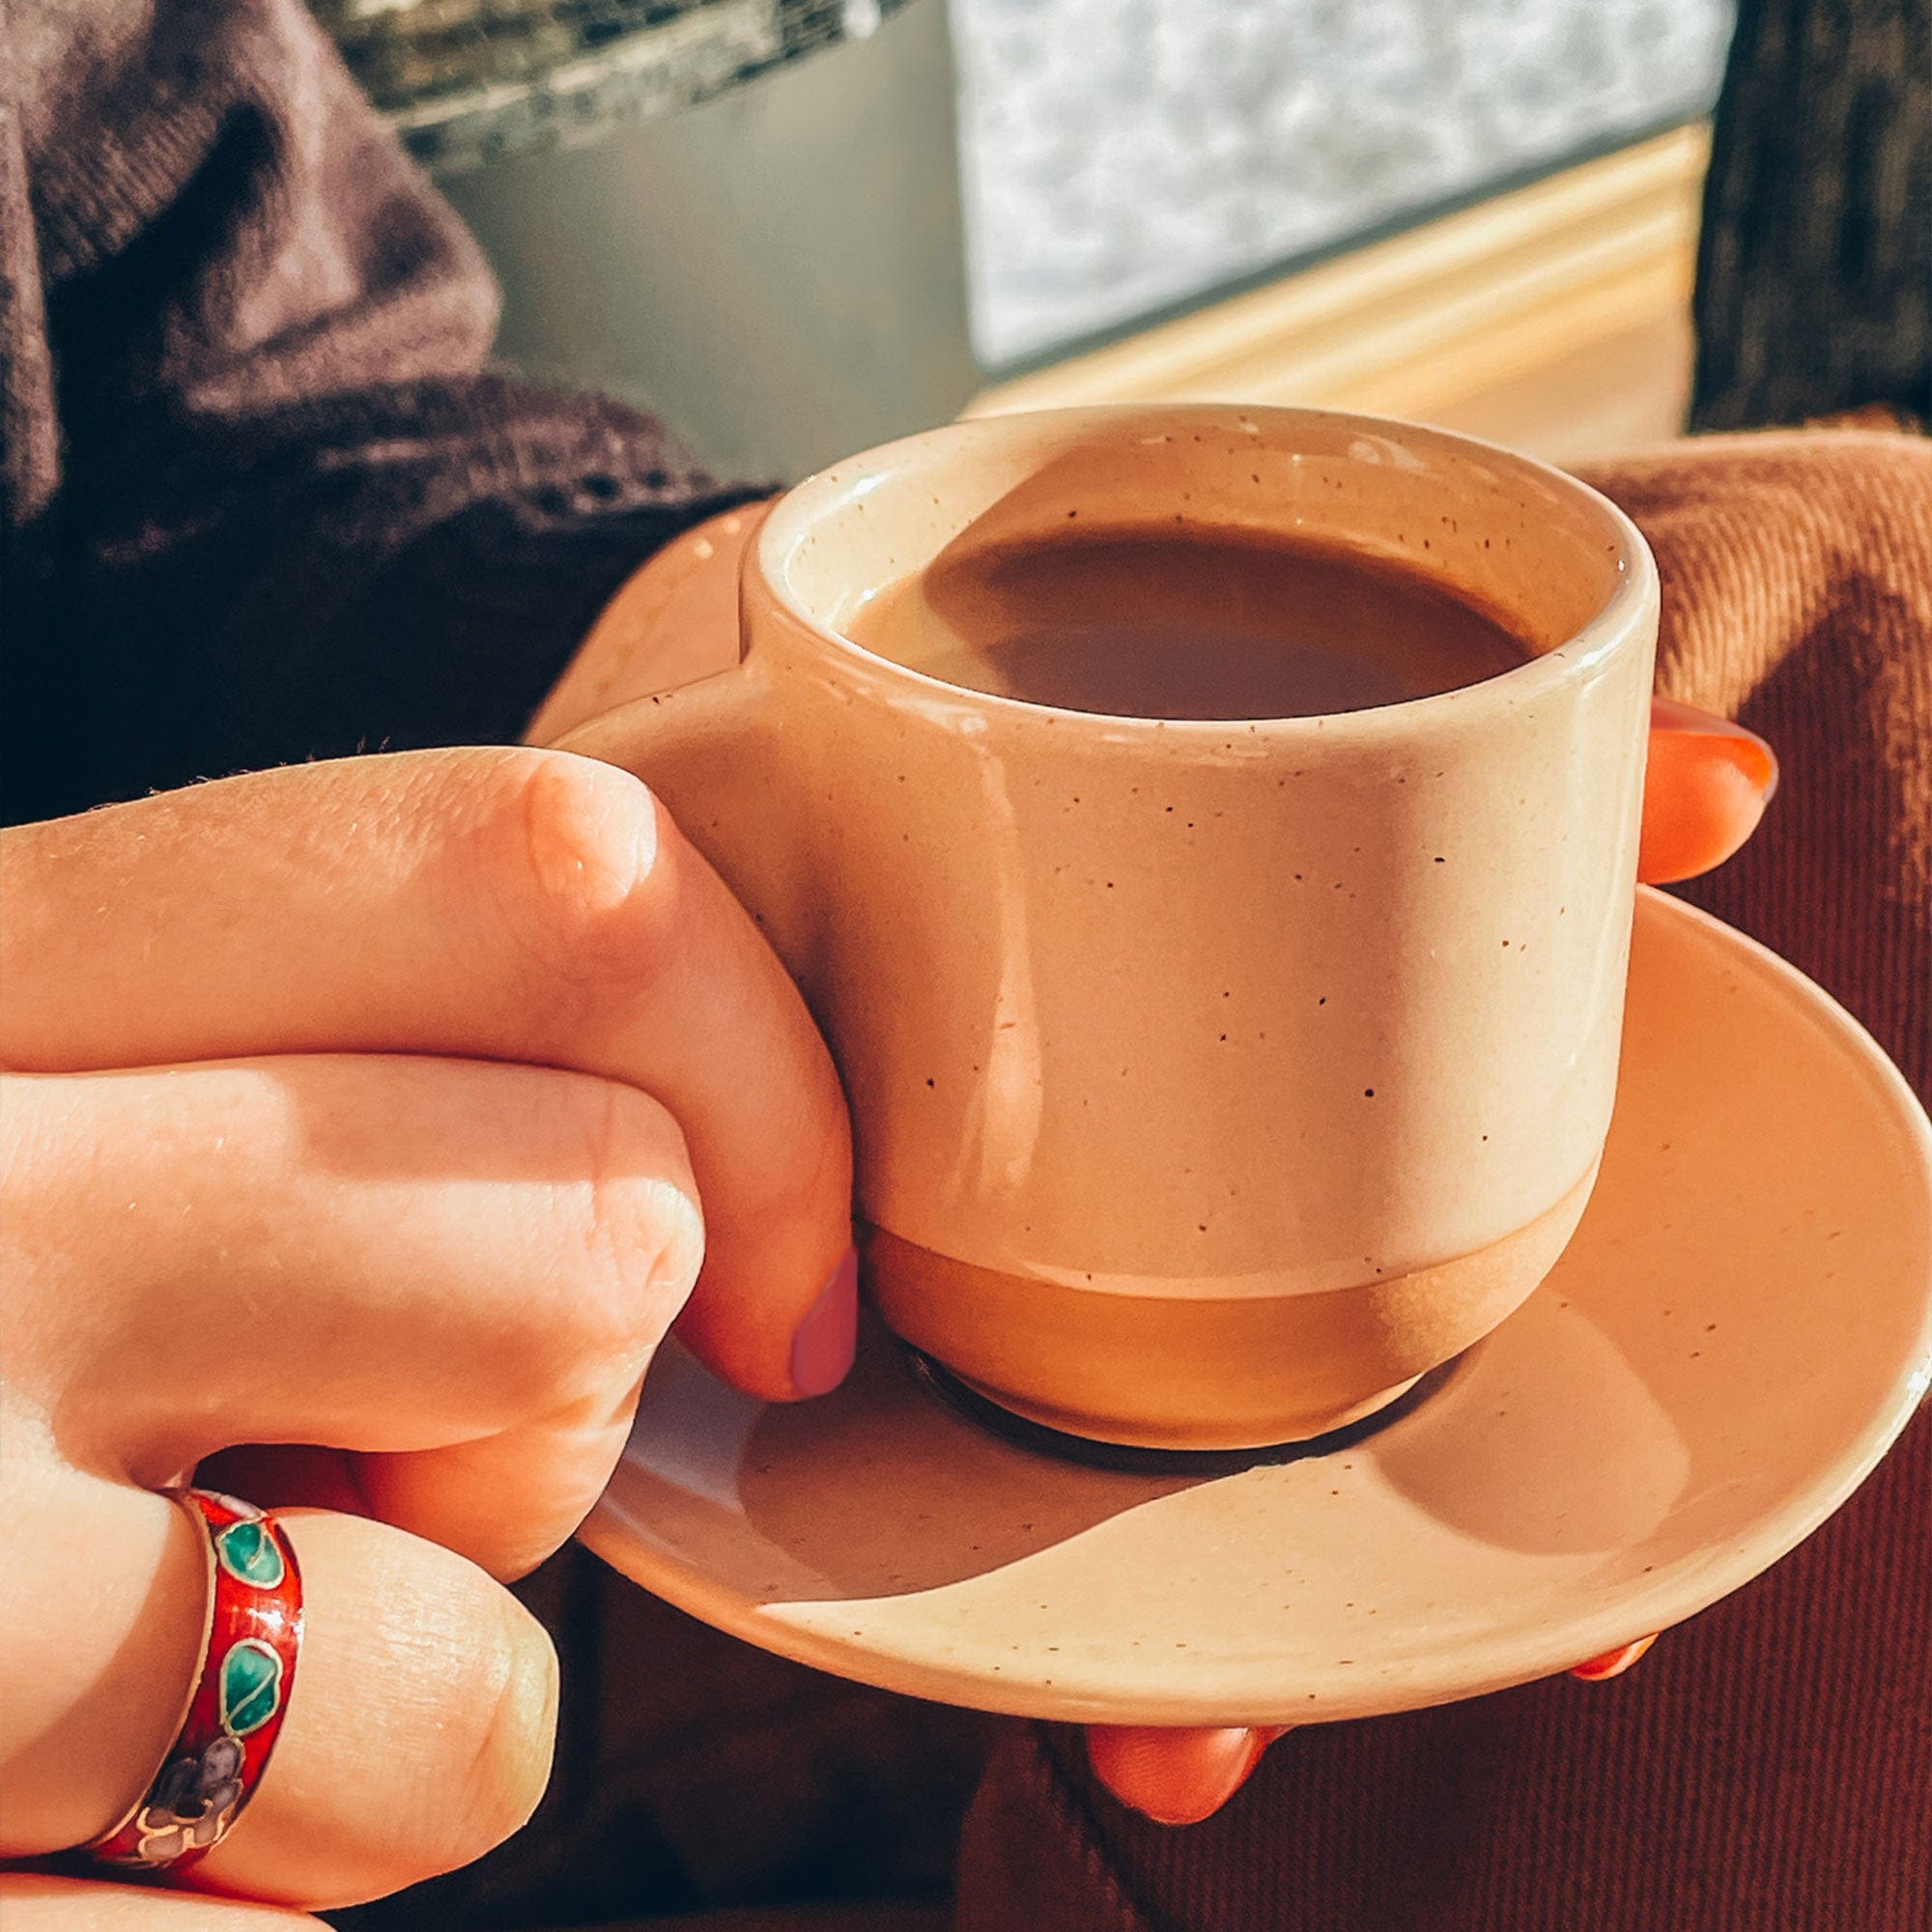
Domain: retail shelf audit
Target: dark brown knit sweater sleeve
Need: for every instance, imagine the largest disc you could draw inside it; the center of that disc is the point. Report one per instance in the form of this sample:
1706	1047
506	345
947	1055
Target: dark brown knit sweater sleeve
263	498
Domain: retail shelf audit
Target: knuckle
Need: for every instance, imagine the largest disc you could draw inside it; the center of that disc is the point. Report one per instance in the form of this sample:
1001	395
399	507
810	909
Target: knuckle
587	880
643	1232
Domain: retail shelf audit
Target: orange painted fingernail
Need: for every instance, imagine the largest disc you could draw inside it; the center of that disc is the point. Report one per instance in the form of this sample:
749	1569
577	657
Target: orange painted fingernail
1177	1777
1707	786
1612	1663
1174	1777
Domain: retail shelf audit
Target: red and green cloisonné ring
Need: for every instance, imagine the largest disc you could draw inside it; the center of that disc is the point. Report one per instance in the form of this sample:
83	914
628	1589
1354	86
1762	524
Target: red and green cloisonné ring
240	1692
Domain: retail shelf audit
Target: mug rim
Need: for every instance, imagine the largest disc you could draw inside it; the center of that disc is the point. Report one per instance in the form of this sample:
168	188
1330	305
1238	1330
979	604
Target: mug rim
1615	625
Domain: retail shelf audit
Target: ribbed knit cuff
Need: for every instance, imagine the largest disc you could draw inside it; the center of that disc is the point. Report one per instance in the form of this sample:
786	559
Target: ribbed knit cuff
462	637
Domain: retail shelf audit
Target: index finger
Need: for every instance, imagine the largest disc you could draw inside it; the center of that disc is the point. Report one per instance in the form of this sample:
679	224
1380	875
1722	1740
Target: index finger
505	904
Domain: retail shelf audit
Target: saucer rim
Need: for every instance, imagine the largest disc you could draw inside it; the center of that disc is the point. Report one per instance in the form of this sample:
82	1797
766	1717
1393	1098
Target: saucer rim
1419	1681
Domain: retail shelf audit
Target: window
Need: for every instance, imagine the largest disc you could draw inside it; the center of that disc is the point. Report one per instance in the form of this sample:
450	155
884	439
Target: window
1123	157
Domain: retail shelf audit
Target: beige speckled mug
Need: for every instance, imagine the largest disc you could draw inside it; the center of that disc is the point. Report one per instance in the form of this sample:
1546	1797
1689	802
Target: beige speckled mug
1211	1081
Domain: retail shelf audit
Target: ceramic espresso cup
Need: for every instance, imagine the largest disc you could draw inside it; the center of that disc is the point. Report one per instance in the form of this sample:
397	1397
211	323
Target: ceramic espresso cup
1211	1081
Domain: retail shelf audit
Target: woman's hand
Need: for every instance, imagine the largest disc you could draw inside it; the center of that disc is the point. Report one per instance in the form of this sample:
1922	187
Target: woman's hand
389	1106
39	1902
1706	788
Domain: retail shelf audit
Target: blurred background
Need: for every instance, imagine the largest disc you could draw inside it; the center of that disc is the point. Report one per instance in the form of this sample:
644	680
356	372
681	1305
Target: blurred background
796	227
799	226
1121	158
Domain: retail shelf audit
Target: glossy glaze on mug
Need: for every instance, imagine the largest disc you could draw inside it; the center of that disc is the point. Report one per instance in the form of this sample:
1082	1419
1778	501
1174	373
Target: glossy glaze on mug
1178	1008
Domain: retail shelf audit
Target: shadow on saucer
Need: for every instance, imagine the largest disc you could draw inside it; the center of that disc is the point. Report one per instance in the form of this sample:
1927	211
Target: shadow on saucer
1552	1445
923	1496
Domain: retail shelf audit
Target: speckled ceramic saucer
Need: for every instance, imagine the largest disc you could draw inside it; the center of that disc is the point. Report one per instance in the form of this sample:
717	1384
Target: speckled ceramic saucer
1739	1330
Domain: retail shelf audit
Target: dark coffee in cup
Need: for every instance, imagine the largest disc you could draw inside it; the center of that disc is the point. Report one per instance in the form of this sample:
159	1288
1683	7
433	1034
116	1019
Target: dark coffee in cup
1185	624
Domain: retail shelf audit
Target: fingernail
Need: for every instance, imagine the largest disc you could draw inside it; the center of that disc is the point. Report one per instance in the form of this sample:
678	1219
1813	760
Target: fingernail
526	1726
1751	751
1612	1663
1220	1767
1176	1777
821	1351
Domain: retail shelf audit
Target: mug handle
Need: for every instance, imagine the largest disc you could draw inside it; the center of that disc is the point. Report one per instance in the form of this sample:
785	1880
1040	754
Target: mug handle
674	621
661	686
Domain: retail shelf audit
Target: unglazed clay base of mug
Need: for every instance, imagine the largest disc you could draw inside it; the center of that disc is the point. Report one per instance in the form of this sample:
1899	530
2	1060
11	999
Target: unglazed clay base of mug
1233	1373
